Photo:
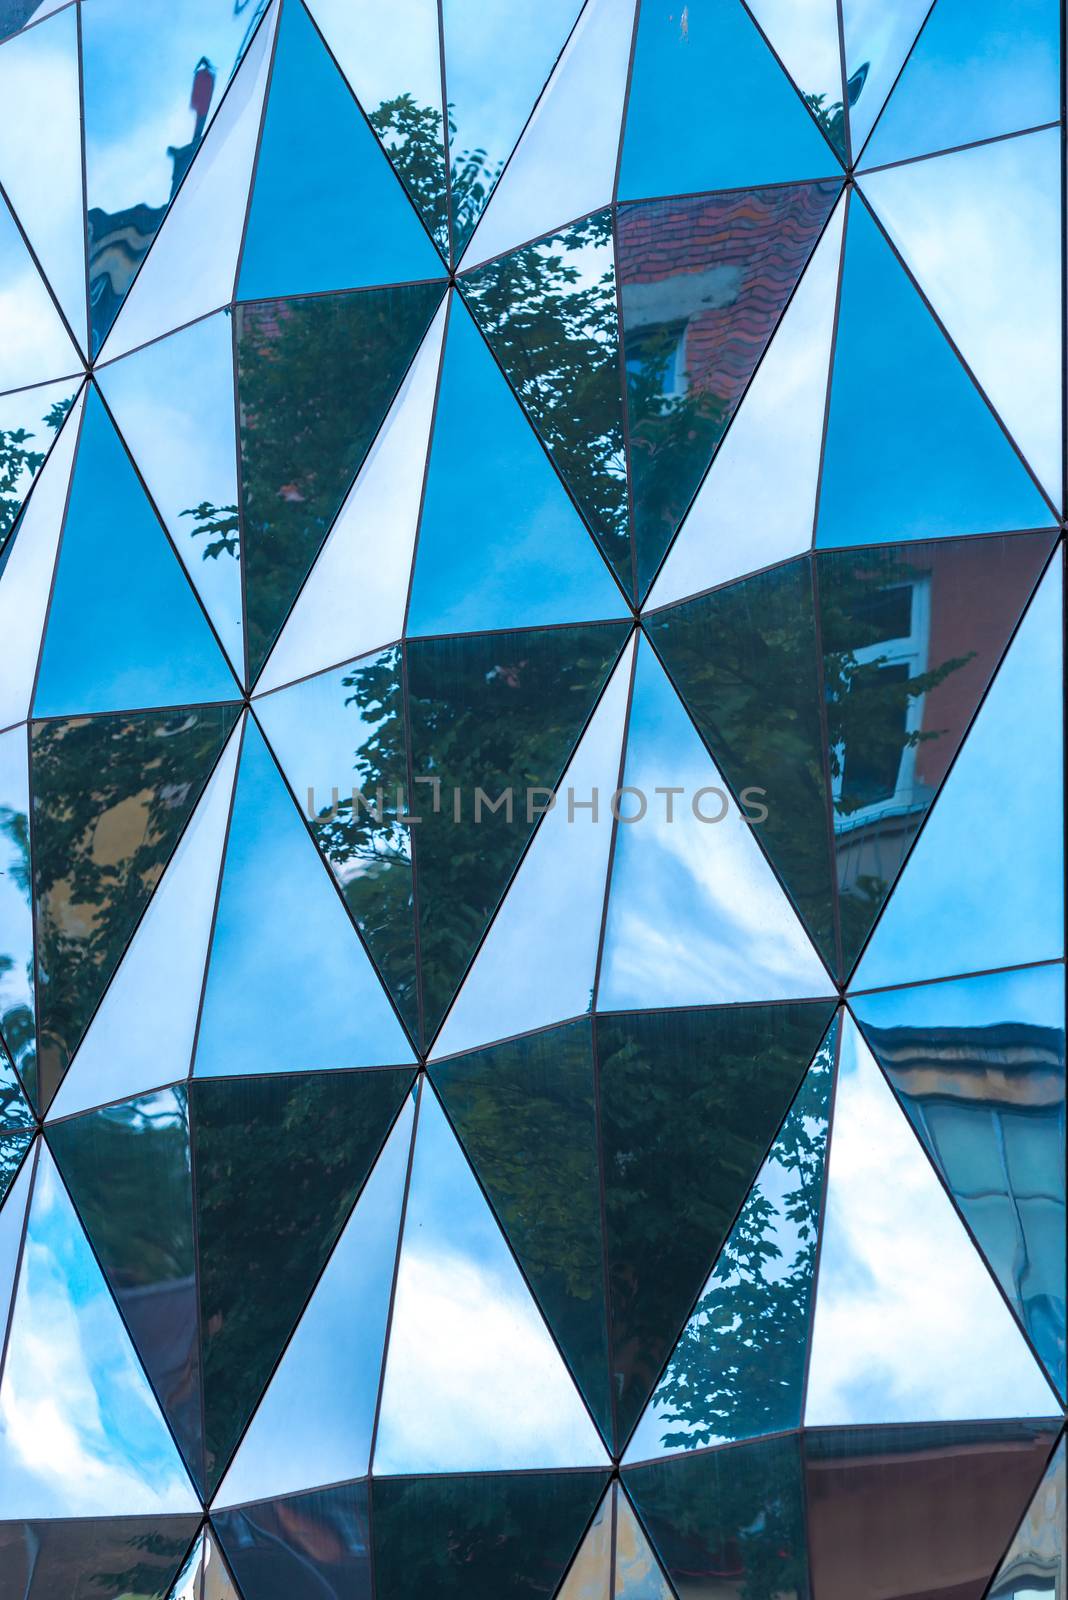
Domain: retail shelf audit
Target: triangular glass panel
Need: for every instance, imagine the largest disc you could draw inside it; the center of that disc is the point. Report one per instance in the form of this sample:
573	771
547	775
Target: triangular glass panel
711	108
111	796
192	265
29	420
922	1510
556	902
205	1575
695	914
70	1372
738	1511
911	637
549	312
979	229
805	38
526	1115
745	662
34	344
41	155
340	739
501	544
490	1390
307	1545
17	1015
495	718
980	69
745	517
316	378
135	161
124	628
876	40
98	1556
131	1047
278	1162
128	1169
702	283
638	1574
962	476
739	1369
589	1576
1037	1558
173	402
326	212
356	594
689	1104
27	563
545	186
396	74
315	1422
978	1066
495	67
475	1537
937	923
909	1325
293	991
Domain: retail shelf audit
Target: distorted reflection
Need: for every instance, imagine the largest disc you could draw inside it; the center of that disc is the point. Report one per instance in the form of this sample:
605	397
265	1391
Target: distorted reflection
638	1574
590	1575
29	420
739	1367
1035	1566
82	1432
979	1067
16	917
490	1391
143	128
902	1292
876	39
111	796
549	312
315	1544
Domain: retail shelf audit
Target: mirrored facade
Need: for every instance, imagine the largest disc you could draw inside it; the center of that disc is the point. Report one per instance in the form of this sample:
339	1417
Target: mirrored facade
532	968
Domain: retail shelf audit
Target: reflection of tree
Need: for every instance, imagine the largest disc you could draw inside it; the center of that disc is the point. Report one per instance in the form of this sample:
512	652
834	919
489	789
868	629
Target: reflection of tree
111	795
738	1368
18	458
549	311
412	134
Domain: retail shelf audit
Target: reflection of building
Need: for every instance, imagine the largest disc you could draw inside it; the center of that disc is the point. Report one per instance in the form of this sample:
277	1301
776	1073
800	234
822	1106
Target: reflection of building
119	240
924	608
990	1105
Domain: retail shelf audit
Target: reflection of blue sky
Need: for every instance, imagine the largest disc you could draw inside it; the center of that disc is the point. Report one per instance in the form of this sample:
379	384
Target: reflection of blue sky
174	403
356	593
500	542
565	163
383	59
16	924
909	1325
980	230
984	884
473	1379
34	344
880	36
899	395
314	1424
498	54
1033	997
699	72
131	1045
29	559
979	69
40	153
139	62
295	990
80	1432
696	916
755	506
537	964
804	33
124	628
